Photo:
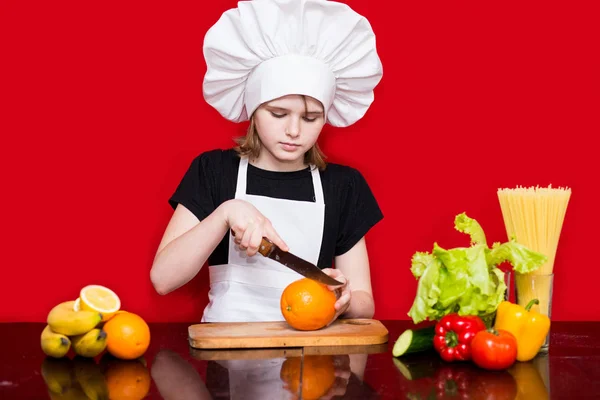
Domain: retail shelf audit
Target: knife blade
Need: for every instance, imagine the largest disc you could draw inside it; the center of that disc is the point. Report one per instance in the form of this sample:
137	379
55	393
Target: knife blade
303	267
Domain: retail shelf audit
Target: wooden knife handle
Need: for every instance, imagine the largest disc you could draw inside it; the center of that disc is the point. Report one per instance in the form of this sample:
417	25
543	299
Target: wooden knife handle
266	247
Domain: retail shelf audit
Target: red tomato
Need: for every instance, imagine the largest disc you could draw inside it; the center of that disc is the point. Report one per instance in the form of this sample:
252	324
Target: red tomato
494	349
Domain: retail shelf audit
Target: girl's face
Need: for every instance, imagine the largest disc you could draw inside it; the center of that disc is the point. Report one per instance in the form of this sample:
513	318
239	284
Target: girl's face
287	127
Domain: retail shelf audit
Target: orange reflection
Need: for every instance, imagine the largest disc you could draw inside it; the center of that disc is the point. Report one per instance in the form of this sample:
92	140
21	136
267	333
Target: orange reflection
126	379
317	374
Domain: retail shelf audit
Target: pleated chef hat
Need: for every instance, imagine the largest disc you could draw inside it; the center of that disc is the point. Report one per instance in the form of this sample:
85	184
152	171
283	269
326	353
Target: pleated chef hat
265	49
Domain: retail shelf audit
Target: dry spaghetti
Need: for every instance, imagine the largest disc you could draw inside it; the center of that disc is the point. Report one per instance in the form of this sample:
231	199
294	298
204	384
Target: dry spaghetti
534	217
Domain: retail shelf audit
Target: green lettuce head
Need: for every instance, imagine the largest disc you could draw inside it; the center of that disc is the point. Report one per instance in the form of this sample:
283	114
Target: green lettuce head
466	280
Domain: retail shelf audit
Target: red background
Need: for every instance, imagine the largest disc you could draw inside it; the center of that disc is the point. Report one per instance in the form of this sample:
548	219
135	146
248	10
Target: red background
101	113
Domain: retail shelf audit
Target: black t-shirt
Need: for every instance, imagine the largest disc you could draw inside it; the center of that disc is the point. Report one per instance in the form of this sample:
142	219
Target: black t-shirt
350	207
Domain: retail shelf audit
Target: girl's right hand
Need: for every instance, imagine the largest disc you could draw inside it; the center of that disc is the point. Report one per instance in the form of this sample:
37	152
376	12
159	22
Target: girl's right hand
249	226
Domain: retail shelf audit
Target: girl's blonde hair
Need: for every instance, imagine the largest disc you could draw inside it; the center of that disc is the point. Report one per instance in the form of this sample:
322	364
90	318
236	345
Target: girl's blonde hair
250	145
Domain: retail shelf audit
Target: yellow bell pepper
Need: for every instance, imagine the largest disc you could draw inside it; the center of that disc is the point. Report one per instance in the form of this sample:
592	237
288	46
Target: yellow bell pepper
529	327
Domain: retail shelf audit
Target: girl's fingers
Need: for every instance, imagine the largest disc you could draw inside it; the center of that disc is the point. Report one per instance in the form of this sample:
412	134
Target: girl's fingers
343	301
341	362
343	373
237	235
339	387
246	236
340	278
274	237
254	243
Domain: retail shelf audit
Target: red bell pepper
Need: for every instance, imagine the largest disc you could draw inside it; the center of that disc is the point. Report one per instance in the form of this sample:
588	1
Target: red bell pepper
453	336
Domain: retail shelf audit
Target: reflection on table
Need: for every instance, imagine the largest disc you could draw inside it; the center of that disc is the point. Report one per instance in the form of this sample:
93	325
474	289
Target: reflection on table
171	369
426	376
309	373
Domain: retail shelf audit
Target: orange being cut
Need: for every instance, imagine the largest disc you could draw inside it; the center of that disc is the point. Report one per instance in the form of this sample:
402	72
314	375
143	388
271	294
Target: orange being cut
99	299
307	305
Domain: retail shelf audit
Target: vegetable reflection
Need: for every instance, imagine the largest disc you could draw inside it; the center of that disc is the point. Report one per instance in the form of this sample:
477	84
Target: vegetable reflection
426	377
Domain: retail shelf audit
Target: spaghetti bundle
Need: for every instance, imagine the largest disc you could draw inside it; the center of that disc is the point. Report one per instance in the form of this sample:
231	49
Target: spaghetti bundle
534	217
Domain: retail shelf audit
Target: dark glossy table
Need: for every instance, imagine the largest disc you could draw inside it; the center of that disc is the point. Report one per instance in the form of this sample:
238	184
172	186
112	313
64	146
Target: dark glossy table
173	370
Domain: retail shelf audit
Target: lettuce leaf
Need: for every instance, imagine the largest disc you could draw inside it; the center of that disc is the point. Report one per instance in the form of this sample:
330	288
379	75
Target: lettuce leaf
466	280
520	257
428	291
467	225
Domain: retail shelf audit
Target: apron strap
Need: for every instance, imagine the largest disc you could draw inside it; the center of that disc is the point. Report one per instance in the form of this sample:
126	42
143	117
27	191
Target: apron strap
240	189
318	187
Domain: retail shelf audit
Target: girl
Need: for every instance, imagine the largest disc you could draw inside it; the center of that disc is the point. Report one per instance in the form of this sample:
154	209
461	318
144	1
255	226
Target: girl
289	67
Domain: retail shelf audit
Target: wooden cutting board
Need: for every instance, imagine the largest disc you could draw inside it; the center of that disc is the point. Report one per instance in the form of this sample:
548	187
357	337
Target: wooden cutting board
245	335
284	352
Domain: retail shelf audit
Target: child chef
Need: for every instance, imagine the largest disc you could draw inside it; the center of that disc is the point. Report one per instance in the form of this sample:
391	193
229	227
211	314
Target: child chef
288	67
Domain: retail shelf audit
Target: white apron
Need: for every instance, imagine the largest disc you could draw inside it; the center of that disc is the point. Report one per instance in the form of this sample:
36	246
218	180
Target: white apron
256	379
249	288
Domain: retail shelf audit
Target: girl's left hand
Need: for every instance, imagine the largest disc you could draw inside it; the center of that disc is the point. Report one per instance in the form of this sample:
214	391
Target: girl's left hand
342	292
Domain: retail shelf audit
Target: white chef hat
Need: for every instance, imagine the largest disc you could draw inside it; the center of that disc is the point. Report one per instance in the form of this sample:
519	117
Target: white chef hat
265	49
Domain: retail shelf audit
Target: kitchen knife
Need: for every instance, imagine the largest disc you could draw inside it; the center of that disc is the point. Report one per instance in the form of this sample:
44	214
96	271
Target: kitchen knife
303	267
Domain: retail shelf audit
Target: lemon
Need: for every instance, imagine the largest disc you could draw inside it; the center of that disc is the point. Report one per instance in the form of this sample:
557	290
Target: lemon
100	299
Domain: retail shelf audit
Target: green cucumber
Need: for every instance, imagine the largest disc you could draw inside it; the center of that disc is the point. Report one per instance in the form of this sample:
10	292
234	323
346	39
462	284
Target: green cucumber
414	341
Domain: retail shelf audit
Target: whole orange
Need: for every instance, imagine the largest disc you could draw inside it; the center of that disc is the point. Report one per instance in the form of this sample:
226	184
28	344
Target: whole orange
128	336
307	305
317	374
127	380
